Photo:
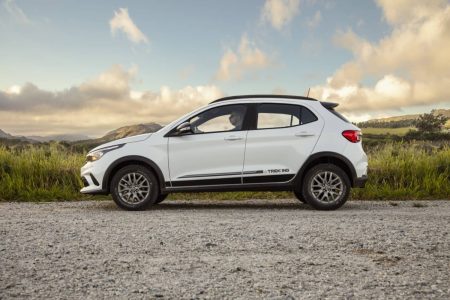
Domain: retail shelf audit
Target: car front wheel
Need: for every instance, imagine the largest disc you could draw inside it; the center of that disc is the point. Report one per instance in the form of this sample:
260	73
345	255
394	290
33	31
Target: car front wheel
326	187
134	187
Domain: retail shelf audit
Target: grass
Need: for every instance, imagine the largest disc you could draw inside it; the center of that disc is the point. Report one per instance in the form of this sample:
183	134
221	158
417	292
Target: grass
397	171
39	174
407	171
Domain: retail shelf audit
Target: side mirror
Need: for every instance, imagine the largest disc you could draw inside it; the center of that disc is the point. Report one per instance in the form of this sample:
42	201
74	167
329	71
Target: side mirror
184	128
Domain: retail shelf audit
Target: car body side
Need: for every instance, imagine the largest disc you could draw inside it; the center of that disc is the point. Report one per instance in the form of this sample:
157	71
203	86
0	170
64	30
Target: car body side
152	151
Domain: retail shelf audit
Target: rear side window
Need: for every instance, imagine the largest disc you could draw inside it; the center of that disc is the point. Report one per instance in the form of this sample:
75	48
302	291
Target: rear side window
283	115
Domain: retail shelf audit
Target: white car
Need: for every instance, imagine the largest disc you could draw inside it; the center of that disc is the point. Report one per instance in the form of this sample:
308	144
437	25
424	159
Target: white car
239	143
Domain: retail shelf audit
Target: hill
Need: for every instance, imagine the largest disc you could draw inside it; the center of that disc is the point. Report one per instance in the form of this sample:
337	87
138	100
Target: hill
59	137
86	145
79	142
13	138
445	112
401	121
129	131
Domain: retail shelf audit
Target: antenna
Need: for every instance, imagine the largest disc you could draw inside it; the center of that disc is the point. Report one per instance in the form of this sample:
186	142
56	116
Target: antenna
307	95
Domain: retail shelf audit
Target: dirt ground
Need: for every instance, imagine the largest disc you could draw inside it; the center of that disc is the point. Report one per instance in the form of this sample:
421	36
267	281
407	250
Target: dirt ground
277	249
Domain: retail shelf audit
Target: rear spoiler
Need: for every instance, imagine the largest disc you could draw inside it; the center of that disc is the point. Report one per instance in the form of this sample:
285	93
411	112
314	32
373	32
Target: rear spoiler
329	105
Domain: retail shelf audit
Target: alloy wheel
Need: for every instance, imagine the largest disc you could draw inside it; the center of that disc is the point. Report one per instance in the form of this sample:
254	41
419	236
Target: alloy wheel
134	188
327	187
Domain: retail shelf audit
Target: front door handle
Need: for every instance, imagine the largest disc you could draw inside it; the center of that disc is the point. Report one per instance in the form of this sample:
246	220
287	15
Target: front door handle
233	138
304	133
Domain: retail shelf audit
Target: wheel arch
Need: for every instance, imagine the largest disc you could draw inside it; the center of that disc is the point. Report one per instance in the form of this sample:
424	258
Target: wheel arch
132	160
326	157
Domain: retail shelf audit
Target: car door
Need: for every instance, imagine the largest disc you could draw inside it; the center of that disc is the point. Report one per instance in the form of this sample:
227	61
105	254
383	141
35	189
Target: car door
213	153
284	137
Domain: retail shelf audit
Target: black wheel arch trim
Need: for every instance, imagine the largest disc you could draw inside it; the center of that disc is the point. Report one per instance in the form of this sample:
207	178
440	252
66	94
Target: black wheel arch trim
132	158
324	155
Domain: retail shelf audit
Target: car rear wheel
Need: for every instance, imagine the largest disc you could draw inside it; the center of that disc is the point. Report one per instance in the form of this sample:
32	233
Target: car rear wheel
326	187
134	187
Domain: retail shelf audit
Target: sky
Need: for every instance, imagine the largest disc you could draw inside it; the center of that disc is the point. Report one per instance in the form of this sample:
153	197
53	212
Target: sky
87	67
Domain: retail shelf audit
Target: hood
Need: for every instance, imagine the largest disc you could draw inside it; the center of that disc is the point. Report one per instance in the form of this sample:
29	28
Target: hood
130	139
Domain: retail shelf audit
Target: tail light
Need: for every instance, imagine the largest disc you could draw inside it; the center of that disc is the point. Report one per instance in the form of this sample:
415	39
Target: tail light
353	136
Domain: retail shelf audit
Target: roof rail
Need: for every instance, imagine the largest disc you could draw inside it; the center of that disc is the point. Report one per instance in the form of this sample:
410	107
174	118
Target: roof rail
263	96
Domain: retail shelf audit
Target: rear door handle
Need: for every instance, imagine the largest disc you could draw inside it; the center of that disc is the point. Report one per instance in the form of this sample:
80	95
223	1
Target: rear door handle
233	138
304	133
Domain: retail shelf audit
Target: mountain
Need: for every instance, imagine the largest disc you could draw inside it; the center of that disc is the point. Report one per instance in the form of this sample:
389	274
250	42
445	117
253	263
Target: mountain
83	146
48	138
7	136
59	137
82	141
130	130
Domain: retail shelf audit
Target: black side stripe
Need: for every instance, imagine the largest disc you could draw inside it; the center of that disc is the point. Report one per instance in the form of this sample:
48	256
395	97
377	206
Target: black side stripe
253	172
217	181
211	175
222	174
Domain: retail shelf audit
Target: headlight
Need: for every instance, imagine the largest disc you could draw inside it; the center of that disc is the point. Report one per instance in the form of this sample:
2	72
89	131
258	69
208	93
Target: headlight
97	154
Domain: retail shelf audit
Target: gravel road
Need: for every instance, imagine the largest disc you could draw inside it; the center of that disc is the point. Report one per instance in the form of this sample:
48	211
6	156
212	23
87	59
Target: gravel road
225	249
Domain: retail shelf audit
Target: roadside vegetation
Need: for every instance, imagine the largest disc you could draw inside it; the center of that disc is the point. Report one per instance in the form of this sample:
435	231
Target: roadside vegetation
398	131
39	173
402	165
398	170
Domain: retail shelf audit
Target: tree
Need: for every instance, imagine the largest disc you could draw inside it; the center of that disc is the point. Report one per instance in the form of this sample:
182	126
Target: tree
430	122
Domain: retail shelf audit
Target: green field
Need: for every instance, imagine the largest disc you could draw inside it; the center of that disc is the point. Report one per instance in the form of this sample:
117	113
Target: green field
392	131
397	171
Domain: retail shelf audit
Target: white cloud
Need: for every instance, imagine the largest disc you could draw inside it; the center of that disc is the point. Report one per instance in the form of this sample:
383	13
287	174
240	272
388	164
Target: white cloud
315	20
411	65
248	57
14	89
16	12
111	84
97	105
279	12
122	21
407	11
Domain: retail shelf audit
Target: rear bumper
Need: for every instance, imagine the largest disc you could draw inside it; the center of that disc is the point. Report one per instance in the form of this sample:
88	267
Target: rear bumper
360	182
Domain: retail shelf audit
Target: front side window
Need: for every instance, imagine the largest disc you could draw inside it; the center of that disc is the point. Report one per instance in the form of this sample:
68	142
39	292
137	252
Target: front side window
283	115
218	119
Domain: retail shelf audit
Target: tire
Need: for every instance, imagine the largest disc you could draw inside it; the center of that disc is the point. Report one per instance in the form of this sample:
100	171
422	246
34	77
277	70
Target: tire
326	187
134	187
161	198
299	196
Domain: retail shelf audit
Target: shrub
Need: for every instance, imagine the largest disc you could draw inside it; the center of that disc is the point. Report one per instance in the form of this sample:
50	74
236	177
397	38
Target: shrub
430	122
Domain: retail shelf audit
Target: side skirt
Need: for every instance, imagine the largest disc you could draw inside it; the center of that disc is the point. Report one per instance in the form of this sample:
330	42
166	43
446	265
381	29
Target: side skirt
286	186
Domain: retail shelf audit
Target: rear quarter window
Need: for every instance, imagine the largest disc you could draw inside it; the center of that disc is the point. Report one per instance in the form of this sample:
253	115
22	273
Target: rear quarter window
274	115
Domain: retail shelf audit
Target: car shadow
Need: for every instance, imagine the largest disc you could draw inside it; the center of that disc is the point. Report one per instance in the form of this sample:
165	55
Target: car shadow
230	205
293	205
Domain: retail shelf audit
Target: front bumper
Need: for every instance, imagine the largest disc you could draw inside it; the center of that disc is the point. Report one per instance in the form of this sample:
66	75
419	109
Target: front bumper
92	180
360	182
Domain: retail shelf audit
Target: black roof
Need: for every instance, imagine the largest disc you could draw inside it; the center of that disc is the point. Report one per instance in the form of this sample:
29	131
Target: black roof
264	96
